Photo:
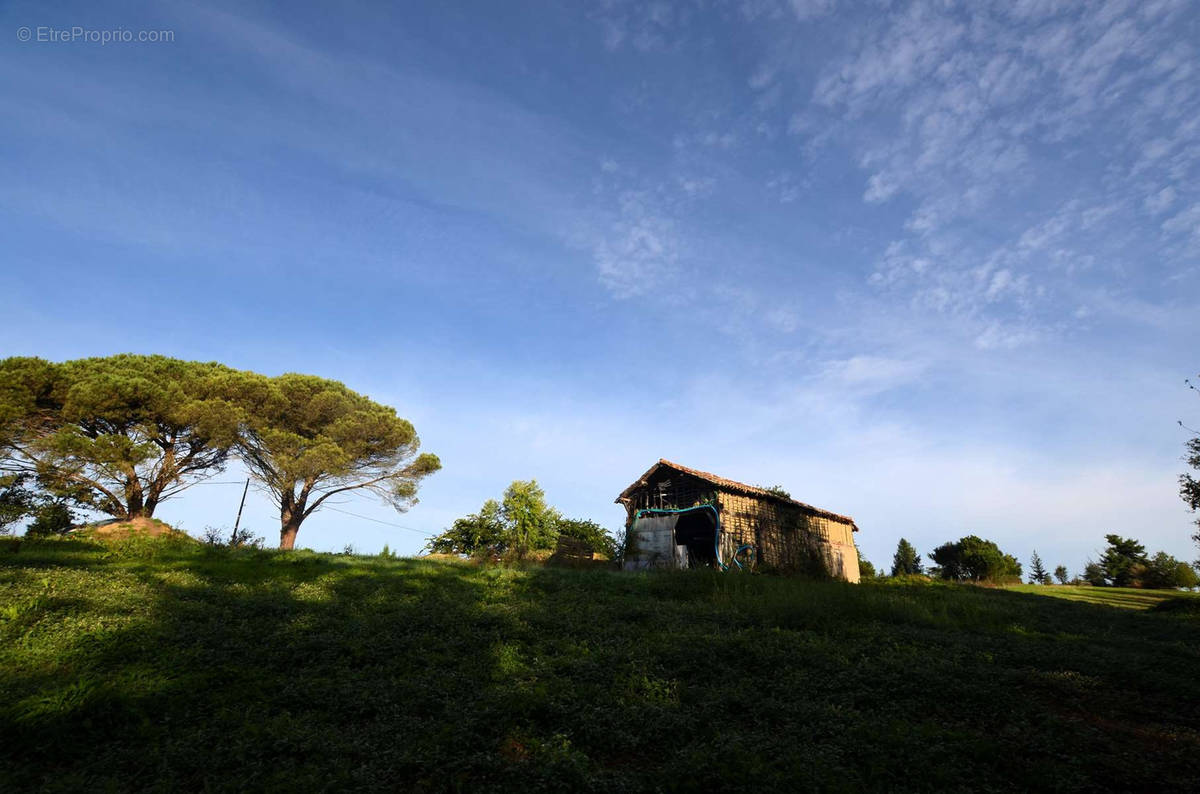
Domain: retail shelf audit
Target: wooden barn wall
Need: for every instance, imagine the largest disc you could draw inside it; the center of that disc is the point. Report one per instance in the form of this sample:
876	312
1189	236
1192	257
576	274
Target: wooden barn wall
785	536
672	491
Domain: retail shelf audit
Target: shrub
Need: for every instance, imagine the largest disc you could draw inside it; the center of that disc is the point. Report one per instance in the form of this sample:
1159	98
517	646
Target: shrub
866	570
242	539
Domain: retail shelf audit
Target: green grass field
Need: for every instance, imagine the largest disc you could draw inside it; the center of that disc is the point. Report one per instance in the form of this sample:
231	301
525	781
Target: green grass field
154	665
1125	597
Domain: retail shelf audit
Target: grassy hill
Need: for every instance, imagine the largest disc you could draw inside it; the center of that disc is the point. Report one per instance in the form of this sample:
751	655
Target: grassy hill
151	664
1124	597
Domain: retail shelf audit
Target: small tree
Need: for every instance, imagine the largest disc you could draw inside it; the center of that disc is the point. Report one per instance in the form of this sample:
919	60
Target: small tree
521	522
974	559
1123	562
1037	572
532	524
906	561
589	532
308	439
478	532
1093	574
1060	573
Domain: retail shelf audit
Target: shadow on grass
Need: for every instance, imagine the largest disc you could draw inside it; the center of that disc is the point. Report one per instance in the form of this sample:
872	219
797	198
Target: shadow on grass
170	669
247	671
785	684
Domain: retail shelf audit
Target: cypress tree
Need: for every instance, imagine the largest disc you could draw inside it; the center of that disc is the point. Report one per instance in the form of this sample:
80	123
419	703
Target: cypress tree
906	560
1037	571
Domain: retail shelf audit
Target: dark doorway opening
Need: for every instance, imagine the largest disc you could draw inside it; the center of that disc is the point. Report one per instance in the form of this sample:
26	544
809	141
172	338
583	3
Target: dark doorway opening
697	529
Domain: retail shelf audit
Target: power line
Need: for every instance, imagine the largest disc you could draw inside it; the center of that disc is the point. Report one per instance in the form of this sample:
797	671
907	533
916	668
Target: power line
385	523
330	507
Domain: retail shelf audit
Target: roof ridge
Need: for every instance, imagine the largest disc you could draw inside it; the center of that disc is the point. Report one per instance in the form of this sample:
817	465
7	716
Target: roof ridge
718	480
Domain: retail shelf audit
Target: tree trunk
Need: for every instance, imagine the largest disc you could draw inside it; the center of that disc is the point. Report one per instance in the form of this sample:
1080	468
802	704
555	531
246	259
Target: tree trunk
290	518
135	505
291	514
287	535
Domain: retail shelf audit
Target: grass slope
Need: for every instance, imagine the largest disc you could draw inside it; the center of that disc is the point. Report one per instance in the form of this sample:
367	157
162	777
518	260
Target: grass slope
153	665
1126	597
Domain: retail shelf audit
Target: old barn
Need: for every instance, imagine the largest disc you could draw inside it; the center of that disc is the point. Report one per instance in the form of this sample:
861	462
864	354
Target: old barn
677	517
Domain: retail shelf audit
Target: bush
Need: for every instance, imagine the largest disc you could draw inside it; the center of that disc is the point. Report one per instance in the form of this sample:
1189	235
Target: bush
242	539
866	570
53	518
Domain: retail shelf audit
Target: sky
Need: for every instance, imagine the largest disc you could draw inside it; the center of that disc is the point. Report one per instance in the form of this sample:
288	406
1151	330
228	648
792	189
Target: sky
932	265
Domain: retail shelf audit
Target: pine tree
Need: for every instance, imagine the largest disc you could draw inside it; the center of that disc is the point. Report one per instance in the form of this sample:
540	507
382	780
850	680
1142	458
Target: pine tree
906	560
1037	572
1124	561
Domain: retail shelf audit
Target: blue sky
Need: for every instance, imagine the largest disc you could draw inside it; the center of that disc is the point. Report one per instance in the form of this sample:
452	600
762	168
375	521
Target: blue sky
932	265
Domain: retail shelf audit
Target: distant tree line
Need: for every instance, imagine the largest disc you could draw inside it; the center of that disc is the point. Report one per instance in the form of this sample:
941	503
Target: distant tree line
969	559
519	522
1124	563
123	434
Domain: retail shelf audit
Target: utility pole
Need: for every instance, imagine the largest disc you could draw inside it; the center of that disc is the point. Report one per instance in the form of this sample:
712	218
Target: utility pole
233	540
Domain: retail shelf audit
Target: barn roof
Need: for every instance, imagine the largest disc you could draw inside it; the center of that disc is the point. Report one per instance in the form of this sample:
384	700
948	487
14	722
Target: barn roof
730	485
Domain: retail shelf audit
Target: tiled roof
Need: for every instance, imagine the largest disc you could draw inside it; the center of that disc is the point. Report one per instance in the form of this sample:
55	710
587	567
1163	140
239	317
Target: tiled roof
731	485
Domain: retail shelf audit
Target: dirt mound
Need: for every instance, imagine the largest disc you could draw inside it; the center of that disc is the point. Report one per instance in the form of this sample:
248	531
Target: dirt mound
133	528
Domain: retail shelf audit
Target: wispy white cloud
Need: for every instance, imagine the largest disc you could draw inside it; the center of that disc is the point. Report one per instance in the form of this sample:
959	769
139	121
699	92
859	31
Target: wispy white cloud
645	27
1186	224
998	336
784	186
977	115
1157	203
808	9
881	187
640	249
871	373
